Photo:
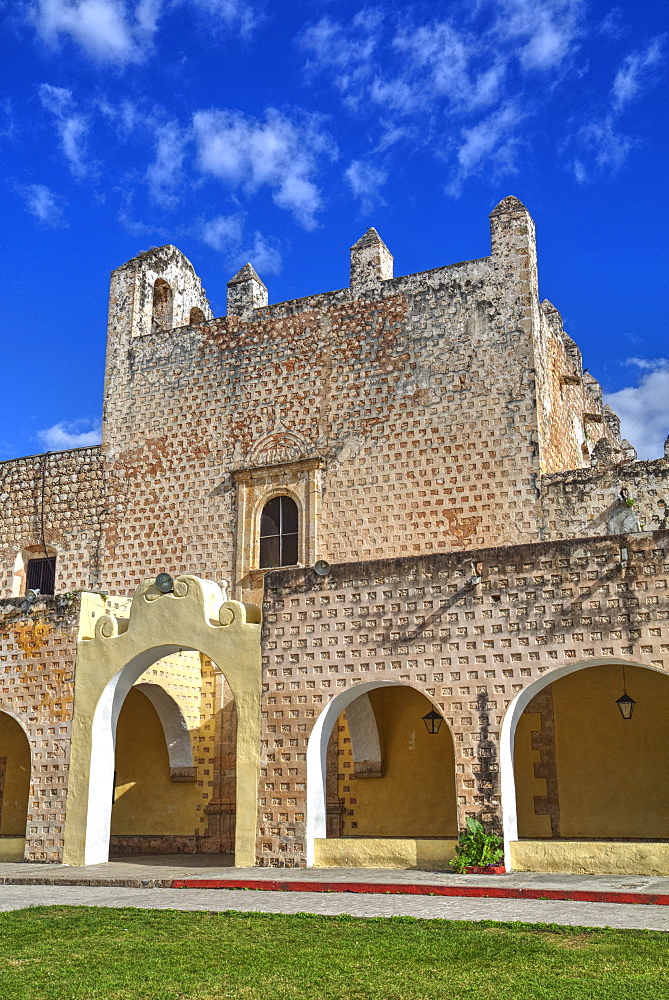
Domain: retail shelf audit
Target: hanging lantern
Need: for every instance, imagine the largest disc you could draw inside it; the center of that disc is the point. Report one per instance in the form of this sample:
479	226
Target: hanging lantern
625	703
433	722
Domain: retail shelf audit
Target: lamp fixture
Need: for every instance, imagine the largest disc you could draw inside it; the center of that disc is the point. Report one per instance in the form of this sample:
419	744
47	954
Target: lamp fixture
625	703
433	722
164	583
475	578
322	567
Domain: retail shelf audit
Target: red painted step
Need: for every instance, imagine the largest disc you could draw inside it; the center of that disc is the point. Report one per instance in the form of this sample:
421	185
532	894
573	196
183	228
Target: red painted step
424	889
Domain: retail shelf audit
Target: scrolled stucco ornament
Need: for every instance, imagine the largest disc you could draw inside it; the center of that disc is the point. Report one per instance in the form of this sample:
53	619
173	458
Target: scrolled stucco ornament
226	614
106	627
245	614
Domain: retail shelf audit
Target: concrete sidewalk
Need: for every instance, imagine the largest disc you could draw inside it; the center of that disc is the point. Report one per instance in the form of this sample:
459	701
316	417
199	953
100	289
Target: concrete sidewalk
14	897
208	872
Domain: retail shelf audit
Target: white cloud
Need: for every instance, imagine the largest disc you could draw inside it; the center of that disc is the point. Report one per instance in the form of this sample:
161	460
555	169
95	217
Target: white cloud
545	31
580	173
71	126
491	144
150	232
601	140
126	116
365	181
463	74
120	32
57	100
238	14
462	63
347	52
73	133
225	233
613	23
441	61
70	434
7	119
108	31
644	365
46	206
407	70
608	147
263	254
636	72
469	72
166	172
280	152
644	408
277	152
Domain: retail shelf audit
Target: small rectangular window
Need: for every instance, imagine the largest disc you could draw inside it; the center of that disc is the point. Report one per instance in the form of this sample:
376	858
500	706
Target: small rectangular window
41	575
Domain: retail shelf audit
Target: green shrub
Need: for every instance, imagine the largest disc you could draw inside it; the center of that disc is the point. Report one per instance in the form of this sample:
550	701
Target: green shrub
476	847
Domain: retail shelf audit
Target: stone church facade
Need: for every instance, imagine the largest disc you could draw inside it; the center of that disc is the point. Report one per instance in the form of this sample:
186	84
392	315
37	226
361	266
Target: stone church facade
402	496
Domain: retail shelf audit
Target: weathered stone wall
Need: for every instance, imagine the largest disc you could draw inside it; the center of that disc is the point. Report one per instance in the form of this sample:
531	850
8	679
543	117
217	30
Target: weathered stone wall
416	391
37	658
588	502
470	650
572	418
65	495
417	395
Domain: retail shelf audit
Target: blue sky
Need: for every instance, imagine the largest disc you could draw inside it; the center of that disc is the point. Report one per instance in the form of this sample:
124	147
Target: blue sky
278	133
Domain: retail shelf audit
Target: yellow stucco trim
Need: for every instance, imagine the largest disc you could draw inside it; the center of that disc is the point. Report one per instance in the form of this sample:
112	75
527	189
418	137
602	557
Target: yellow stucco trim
383	852
580	857
194	616
12	849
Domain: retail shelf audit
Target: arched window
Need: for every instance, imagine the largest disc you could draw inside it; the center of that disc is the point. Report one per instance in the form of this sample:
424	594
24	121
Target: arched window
278	533
196	316
162	306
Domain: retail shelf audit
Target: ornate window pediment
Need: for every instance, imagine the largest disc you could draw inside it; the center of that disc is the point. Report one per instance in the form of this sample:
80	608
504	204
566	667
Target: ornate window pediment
277	448
298	480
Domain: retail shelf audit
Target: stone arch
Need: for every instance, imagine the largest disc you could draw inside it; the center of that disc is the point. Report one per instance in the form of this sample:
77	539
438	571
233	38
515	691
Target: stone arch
510	723
162	316
177	739
193	616
317	749
15	776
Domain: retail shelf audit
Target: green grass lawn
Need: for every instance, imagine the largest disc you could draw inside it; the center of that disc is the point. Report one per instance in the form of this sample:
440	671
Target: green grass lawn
80	953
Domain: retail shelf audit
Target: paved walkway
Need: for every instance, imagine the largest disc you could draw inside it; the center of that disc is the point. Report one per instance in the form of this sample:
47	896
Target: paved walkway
163	871
14	897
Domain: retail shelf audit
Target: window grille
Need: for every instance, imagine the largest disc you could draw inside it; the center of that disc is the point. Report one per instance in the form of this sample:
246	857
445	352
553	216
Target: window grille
41	575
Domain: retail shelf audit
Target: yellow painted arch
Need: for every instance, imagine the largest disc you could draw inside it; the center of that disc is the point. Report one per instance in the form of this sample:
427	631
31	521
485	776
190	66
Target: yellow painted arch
112	654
